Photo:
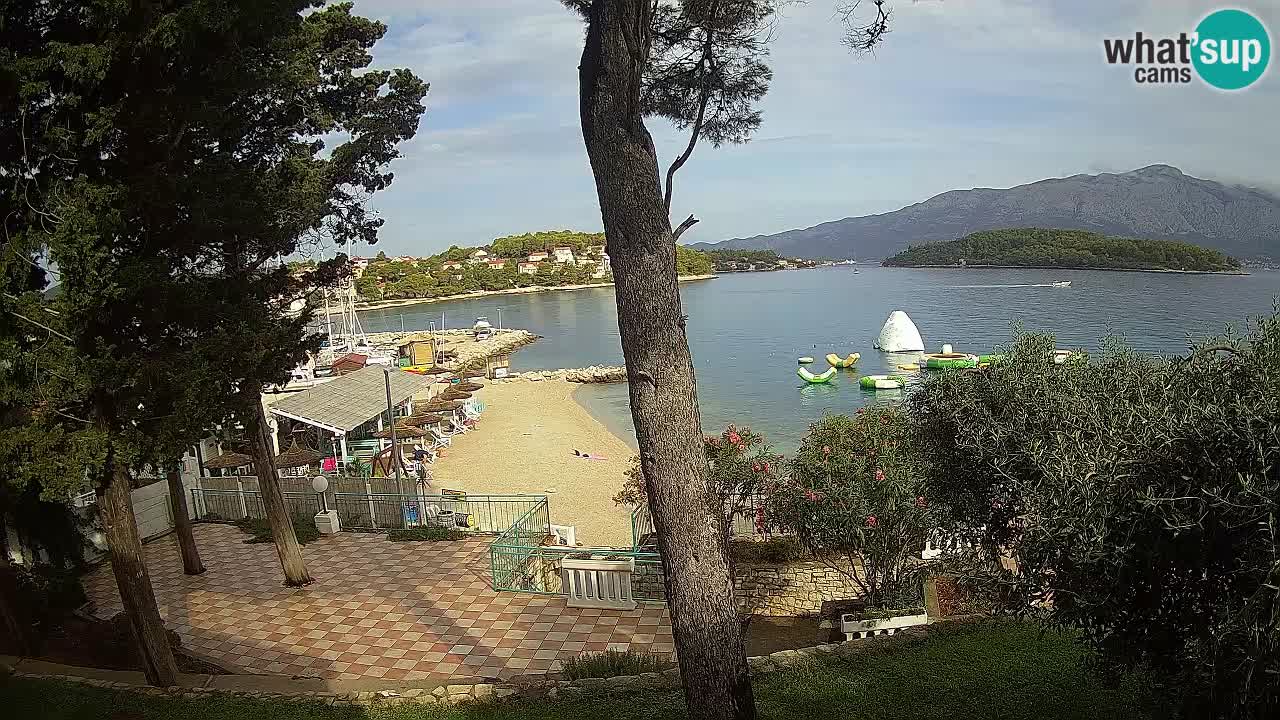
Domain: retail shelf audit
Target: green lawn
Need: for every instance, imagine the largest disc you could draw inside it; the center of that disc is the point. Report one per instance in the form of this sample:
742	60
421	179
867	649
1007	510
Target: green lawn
974	672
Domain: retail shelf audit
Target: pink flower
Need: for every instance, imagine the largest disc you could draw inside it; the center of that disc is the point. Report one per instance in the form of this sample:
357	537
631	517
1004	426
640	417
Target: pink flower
735	438
755	467
921	502
766	467
871	521
826	449
811	496
879	475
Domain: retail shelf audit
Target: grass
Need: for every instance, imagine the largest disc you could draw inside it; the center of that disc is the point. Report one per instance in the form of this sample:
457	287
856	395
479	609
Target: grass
976	671
612	663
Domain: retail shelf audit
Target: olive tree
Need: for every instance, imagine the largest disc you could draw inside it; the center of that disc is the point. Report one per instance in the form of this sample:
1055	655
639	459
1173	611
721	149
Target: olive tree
1137	498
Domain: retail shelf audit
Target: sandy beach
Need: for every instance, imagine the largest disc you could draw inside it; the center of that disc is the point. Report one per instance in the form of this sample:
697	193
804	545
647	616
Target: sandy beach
524	443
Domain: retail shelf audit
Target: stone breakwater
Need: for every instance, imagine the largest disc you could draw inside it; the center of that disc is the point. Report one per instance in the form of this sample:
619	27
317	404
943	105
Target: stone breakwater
468	354
588	375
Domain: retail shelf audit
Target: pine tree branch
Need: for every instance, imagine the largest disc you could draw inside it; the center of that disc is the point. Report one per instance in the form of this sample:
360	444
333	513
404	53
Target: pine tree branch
703	98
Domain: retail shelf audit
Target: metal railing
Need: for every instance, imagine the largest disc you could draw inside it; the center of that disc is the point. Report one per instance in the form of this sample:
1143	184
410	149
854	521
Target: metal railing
389	511
747	521
521	562
511	554
233	505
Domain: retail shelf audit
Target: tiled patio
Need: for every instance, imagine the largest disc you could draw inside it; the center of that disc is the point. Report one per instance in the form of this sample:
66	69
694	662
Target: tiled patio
378	609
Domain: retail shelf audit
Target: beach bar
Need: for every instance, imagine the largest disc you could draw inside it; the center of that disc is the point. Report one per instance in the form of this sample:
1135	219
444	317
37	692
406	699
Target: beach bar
353	405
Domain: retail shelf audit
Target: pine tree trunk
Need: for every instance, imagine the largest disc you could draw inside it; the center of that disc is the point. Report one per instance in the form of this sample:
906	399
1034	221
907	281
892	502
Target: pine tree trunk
115	509
15	628
264	463
191	564
664	402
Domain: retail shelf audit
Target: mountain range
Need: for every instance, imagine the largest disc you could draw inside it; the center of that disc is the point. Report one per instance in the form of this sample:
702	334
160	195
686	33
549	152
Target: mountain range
1158	202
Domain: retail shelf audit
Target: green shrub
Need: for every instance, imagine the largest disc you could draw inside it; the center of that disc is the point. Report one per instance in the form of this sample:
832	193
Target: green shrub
855	496
612	663
304	526
425	534
47	593
885	614
774	551
1137	499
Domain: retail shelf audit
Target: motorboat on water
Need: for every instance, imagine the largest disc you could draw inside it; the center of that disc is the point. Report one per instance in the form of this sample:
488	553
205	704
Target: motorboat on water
482	330
1061	283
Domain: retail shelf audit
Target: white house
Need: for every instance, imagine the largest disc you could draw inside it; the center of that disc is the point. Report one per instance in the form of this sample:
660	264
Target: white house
477	257
538	256
563	254
528	268
452	265
496	263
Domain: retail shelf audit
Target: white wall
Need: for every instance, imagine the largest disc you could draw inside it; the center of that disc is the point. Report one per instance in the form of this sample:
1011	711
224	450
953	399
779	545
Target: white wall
151	509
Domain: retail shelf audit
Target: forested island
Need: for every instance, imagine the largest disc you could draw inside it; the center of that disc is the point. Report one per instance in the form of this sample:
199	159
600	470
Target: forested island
1047	248
753	260
555	258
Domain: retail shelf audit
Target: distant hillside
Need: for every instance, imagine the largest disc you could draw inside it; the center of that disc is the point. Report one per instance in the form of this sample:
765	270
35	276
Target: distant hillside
1036	247
1157	202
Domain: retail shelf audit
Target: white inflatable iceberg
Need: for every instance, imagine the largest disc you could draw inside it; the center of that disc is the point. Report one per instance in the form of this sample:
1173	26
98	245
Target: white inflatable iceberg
899	334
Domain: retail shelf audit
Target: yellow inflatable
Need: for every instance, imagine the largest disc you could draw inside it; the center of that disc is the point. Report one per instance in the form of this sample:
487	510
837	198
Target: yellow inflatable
834	360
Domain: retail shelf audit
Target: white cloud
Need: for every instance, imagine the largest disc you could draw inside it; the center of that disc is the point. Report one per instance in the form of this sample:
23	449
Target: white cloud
962	93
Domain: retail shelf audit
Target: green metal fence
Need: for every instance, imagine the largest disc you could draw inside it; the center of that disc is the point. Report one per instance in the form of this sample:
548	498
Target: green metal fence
388	511
521	562
512	554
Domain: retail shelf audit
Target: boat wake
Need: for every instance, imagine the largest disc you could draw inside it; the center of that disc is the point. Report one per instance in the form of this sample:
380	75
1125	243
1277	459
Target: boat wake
1023	285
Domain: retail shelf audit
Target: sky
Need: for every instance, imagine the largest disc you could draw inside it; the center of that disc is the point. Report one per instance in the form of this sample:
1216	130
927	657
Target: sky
962	93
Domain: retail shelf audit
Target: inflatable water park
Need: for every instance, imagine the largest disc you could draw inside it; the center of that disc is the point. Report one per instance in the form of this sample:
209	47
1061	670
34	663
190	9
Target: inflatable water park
904	350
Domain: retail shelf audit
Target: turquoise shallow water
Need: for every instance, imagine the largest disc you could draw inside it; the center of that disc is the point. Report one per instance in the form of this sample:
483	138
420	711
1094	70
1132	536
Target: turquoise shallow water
746	330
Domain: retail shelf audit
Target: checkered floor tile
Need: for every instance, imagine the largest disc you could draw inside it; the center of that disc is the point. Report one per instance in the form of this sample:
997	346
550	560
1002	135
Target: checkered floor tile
378	609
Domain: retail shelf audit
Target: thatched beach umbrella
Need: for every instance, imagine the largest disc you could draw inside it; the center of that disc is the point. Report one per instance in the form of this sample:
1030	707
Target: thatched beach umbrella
468	387
402	432
226	461
421	419
439	406
297	457
455	395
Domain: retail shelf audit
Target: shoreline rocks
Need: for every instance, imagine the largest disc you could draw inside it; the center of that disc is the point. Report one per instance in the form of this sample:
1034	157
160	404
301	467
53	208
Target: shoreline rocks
588	375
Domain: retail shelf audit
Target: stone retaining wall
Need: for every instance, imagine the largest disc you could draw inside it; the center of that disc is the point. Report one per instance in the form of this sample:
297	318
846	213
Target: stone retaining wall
457	692
793	590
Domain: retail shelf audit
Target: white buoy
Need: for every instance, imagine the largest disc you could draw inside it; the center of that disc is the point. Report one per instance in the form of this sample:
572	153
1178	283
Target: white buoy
946	349
899	334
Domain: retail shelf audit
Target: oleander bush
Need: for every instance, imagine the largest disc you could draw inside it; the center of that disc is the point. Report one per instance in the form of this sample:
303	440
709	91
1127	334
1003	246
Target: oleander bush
854	498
